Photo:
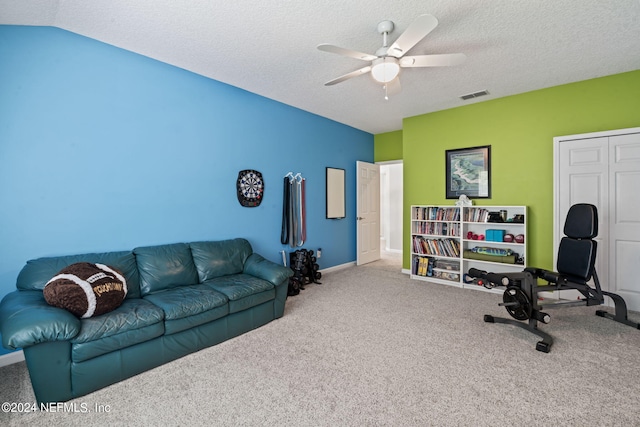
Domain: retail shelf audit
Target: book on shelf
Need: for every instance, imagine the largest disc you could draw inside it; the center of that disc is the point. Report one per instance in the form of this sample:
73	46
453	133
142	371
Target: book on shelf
423	266
434	213
418	266
437	228
476	215
442	247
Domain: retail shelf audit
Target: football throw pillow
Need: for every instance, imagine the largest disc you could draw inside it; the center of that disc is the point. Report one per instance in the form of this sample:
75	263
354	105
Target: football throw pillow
86	289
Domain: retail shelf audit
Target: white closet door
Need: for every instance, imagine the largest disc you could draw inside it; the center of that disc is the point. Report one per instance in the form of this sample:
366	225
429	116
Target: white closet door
624	217
583	168
603	168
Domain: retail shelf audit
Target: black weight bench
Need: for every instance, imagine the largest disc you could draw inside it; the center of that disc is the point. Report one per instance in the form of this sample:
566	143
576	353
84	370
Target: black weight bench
575	267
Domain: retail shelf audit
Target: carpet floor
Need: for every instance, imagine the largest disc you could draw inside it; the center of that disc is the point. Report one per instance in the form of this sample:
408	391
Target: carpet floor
370	347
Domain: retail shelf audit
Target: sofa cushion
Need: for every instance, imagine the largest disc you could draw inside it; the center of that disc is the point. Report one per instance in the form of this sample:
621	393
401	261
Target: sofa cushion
135	321
86	289
165	267
199	303
222	258
37	272
244	291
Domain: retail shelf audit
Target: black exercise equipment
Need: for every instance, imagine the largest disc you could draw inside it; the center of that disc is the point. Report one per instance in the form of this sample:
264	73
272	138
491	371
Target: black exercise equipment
305	270
575	267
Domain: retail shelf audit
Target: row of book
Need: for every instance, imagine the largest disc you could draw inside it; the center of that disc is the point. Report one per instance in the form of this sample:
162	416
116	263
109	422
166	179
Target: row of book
433	213
476	215
423	266
437	228
440	247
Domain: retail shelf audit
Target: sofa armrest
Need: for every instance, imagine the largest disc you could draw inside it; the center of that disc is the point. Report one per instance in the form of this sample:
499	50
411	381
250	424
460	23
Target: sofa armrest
26	319
256	265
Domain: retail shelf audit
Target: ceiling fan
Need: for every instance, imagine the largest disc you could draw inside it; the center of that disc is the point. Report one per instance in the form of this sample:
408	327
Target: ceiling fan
388	60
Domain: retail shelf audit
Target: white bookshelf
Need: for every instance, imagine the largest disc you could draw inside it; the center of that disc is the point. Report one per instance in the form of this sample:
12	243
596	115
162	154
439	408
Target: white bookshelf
448	240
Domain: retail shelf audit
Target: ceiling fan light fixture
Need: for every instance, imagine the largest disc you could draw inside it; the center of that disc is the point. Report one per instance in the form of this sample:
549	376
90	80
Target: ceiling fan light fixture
385	69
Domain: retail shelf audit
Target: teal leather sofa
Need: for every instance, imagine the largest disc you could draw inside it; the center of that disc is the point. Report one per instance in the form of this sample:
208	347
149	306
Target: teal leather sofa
181	298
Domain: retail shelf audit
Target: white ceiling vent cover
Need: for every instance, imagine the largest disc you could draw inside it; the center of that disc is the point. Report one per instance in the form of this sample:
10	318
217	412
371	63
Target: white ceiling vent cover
474	95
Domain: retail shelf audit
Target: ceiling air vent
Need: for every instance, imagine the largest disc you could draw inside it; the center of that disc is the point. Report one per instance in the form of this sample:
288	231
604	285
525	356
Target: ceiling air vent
474	95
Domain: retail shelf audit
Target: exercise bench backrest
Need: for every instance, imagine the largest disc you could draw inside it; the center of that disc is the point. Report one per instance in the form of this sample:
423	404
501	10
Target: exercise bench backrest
577	251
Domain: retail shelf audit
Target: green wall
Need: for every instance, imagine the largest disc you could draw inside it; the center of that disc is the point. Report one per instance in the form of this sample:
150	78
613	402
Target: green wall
388	146
520	130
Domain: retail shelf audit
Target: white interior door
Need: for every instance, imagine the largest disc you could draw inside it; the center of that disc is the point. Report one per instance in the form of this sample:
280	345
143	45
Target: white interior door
368	212
624	217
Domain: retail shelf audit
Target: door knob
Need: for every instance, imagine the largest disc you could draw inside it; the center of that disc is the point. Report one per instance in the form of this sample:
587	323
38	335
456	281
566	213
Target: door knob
359	218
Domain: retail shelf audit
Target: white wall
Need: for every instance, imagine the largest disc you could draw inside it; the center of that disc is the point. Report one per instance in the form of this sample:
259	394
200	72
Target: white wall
391	206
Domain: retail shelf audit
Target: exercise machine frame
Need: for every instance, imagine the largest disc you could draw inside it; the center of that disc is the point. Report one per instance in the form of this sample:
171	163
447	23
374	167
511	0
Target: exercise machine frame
521	299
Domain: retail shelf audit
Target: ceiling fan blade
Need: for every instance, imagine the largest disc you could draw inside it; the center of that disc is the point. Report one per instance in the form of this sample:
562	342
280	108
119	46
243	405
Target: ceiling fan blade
418	29
443	60
346	52
356	73
393	87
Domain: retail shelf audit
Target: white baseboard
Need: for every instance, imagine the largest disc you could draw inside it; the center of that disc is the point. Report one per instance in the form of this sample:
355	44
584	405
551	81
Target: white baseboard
406	271
11	358
338	267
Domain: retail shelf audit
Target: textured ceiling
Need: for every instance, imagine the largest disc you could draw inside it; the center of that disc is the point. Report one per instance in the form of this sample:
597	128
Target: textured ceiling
269	47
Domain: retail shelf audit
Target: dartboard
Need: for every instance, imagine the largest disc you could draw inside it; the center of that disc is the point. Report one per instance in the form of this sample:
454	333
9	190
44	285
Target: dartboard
250	188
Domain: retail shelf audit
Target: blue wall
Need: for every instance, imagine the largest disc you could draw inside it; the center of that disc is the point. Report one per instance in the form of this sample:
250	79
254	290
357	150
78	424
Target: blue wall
102	149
